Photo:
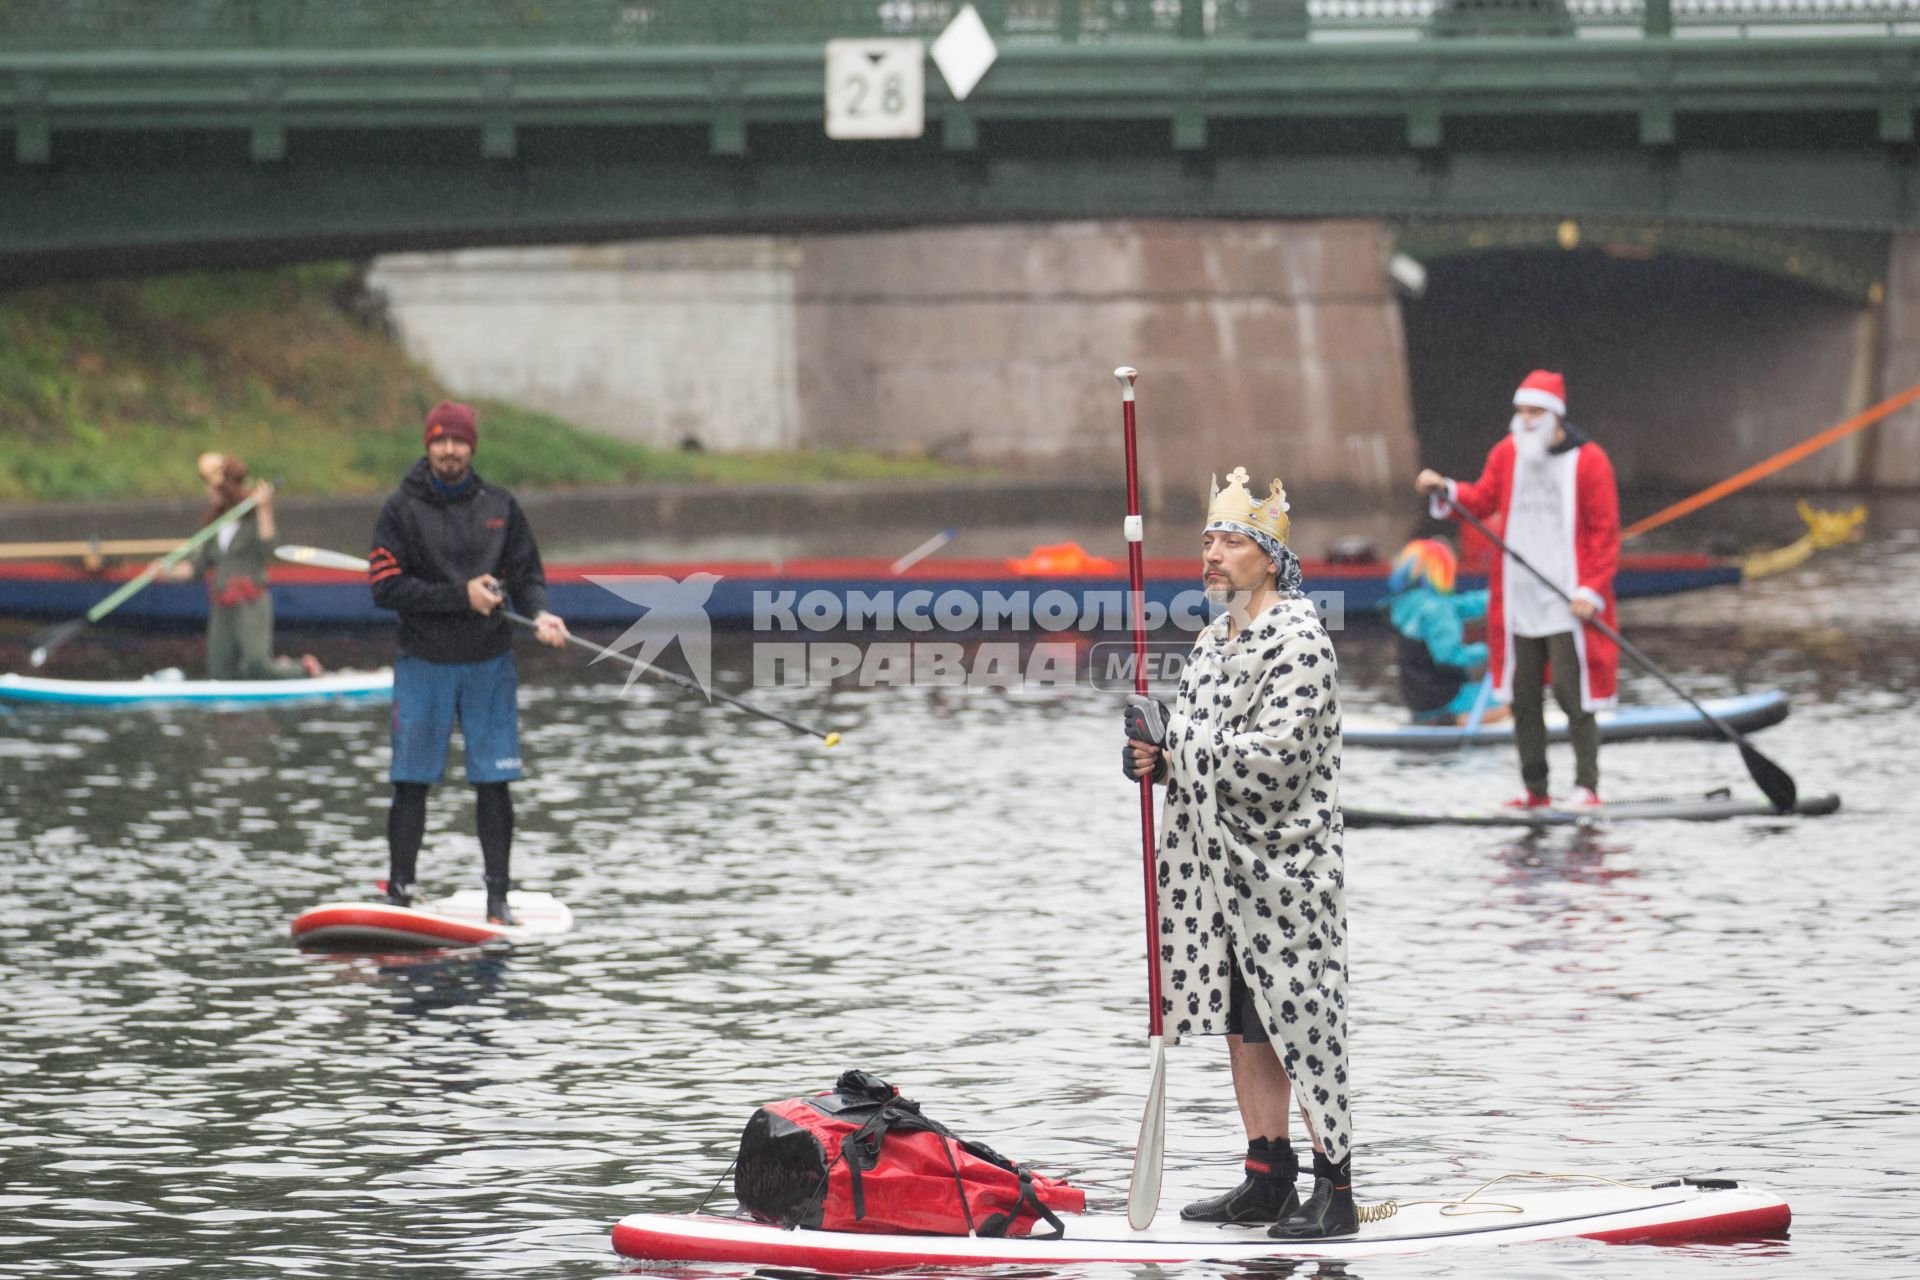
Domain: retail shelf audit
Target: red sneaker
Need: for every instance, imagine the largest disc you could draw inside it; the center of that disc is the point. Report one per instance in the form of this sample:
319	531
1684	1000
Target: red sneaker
1528	800
1582	798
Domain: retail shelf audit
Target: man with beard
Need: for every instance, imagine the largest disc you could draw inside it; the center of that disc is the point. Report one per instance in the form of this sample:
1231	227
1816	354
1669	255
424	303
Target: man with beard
1251	875
449	551
1550	491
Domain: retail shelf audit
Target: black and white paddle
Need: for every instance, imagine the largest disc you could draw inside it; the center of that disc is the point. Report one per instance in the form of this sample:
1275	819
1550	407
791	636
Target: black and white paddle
1768	776
320	558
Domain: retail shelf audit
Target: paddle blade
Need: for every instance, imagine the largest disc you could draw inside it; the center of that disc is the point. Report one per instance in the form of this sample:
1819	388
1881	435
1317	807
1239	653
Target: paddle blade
321	558
1149	1157
51	639
1770	778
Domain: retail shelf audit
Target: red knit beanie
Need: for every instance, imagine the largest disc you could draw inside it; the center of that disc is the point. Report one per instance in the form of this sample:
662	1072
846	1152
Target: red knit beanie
451	420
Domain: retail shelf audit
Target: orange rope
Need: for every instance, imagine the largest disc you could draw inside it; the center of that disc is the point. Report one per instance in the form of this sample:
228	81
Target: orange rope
1785	458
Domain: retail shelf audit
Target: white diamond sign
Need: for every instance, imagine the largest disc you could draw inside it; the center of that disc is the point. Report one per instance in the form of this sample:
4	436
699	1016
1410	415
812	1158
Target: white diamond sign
876	89
964	51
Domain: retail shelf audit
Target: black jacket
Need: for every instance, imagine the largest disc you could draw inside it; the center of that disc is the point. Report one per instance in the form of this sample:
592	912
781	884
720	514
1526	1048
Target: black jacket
427	546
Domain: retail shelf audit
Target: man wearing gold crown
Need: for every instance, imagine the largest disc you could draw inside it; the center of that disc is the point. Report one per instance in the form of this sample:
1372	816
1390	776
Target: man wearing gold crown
1253	918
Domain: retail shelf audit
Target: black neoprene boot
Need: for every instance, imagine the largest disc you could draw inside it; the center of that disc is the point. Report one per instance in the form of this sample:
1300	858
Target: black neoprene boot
400	895
1329	1211
497	910
1266	1194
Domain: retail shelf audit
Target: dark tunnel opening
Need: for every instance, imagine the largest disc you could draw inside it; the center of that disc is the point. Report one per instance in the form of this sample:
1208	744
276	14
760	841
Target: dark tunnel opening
1685	369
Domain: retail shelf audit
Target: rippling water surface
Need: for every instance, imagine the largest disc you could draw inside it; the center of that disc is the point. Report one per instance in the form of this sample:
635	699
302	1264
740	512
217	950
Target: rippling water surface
950	899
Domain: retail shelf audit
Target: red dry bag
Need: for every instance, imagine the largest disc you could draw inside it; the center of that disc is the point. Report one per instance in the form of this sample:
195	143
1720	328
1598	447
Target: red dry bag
862	1158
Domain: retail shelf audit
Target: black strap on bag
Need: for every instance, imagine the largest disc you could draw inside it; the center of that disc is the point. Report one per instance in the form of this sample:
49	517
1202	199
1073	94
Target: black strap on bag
959	1184
861	1148
997	1224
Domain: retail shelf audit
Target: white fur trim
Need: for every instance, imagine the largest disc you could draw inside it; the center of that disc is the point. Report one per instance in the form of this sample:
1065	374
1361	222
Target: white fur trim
1587	701
1541	400
1592	597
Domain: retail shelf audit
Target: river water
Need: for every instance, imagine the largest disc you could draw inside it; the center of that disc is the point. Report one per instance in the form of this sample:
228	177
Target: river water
949	899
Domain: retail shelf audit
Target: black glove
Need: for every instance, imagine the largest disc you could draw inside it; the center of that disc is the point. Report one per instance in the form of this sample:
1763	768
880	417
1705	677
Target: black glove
1146	719
1133	774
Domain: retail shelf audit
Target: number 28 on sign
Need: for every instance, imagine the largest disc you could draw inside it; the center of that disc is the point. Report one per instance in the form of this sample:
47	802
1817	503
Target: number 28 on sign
876	89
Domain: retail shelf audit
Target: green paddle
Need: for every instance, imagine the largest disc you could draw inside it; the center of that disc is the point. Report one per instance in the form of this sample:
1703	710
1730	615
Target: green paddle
50	640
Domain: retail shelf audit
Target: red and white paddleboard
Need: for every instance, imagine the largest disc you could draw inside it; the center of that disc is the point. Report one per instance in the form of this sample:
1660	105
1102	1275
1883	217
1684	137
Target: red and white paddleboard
457	921
1673	1211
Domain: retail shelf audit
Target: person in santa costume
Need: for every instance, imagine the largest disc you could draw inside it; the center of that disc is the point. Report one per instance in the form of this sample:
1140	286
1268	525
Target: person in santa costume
1552	491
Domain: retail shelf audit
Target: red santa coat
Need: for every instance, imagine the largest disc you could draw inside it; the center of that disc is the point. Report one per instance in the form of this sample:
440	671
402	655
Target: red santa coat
1592	524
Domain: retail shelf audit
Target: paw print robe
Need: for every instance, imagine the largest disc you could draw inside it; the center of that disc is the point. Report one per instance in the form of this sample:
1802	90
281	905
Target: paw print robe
1250	863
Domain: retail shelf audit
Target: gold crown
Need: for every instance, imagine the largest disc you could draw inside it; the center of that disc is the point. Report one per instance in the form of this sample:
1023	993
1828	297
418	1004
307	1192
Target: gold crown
1235	503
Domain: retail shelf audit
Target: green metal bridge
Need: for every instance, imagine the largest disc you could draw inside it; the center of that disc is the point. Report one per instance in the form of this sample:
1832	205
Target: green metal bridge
149	133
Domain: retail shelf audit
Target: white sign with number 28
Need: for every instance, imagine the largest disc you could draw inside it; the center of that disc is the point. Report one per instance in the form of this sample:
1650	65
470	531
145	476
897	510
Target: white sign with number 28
876	89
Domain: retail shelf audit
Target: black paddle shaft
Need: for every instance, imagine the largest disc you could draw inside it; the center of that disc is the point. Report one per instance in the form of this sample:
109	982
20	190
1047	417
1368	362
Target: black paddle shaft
682	681
1770	777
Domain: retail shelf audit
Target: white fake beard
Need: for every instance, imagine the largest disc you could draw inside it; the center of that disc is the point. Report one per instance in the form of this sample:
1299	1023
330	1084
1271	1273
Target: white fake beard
1532	441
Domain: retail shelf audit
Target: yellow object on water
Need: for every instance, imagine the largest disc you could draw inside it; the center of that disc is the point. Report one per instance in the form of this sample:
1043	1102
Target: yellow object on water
833	739
1824	529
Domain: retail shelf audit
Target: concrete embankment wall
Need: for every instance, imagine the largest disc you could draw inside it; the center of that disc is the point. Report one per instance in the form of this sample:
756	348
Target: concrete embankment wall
1270	345
1274	345
617	522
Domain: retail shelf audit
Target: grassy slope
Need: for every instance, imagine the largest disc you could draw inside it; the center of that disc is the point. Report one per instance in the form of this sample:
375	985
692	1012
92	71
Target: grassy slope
111	389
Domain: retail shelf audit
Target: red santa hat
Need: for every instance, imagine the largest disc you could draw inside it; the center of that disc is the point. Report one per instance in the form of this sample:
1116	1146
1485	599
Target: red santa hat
1543	390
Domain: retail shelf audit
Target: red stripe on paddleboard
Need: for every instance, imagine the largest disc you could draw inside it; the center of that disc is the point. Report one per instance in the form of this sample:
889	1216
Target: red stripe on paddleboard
392	920
667	1246
1771	1220
705	1238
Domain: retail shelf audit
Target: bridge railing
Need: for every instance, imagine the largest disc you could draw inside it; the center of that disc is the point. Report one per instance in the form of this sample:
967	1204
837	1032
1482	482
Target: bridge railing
88	25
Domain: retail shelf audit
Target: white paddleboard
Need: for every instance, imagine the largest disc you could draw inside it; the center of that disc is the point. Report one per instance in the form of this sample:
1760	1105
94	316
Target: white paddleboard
1746	712
170	688
1712	807
456	921
1595	1210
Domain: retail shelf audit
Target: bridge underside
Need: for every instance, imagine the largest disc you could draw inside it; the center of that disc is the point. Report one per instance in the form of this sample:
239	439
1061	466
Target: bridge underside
175	206
157	161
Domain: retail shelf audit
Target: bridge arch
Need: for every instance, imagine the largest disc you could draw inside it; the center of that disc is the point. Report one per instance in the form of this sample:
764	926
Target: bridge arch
1690	350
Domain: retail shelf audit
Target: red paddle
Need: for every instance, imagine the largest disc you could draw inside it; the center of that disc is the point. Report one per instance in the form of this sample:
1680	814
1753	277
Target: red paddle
1143	1192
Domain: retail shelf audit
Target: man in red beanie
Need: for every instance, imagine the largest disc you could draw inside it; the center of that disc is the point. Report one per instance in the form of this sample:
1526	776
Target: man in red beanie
449	553
1553	493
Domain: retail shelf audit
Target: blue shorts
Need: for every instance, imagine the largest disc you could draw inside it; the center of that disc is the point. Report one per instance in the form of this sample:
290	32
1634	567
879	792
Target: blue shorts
429	698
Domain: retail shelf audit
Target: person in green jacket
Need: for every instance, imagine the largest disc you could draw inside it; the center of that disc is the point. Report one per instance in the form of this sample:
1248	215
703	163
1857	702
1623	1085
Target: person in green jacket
1439	670
234	562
